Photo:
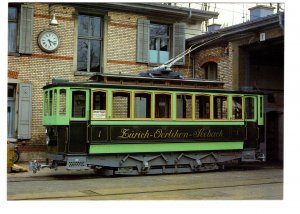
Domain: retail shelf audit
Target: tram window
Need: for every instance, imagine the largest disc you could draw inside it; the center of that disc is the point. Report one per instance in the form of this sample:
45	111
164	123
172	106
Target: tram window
121	105
78	104
162	106
202	107
237	108
249	102
54	101
50	102
220	107
142	107
184	106
46	103
62	102
261	109
99	105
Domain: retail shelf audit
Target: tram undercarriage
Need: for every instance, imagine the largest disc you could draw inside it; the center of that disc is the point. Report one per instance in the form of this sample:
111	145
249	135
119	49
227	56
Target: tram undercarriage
147	164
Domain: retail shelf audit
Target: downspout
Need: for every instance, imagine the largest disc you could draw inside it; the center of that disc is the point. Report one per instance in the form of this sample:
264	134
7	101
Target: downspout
193	66
281	21
190	14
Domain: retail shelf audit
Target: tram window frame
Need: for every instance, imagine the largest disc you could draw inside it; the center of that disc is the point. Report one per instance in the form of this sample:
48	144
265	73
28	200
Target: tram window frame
46	103
168	107
237	110
50	103
78	104
62	102
207	114
184	107
54	108
220	115
148	104
253	109
128	109
101	113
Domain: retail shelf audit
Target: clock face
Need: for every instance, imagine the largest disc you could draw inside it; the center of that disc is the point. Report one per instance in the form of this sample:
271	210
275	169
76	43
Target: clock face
48	41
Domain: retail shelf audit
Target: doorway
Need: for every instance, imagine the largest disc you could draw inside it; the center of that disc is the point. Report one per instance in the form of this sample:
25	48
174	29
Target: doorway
274	136
11	103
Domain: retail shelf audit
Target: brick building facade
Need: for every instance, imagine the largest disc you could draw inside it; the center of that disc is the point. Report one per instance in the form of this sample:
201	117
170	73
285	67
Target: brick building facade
249	56
34	68
222	56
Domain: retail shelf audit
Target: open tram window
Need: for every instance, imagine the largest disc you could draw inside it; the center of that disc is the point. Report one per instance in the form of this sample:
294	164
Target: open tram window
121	105
99	105
184	106
249	107
78	104
202	107
220	107
54	101
50	102
237	108
46	103
62	102
162	105
142	107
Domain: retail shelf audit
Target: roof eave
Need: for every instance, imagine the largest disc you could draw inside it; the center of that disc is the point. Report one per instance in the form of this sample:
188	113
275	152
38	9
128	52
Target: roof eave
267	22
154	9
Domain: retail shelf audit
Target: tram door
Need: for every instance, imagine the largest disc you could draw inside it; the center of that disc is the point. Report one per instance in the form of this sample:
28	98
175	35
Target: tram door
252	131
78	134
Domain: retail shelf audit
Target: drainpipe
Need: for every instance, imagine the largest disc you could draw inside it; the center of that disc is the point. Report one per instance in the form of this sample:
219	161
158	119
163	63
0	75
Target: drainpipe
281	21
190	14
193	66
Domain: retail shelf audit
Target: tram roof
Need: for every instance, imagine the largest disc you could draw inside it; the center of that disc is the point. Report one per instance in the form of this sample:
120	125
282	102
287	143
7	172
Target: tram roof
150	83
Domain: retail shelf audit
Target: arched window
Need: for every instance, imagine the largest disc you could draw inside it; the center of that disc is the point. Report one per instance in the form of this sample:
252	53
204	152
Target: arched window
210	70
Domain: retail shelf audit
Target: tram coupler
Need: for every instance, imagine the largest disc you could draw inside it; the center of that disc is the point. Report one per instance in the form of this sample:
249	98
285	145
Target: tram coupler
35	166
261	156
252	155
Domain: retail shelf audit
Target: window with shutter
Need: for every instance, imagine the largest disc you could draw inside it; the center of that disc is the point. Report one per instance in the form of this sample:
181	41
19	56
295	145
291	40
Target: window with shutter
154	43
159	50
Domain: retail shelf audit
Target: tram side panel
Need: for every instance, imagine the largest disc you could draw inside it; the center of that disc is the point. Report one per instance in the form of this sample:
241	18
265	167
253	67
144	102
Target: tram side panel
92	145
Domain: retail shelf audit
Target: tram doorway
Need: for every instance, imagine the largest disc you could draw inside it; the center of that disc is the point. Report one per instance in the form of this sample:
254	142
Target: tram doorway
78	124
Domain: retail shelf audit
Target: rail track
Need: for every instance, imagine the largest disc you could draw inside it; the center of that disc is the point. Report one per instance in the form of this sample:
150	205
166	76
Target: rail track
232	184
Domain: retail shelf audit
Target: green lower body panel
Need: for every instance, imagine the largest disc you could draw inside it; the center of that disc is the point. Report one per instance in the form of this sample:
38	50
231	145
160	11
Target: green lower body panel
164	147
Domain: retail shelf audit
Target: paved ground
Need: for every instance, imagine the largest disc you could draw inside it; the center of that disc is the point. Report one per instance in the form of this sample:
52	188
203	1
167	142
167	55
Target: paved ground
250	182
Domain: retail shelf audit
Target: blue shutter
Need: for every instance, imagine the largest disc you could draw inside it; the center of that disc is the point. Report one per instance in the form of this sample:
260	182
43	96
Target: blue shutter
179	41
24	119
143	36
26	27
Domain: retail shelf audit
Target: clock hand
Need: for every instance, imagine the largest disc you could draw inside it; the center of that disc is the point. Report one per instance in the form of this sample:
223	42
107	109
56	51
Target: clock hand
54	43
49	41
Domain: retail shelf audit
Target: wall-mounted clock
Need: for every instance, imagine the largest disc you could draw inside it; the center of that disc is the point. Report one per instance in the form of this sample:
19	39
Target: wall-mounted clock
48	41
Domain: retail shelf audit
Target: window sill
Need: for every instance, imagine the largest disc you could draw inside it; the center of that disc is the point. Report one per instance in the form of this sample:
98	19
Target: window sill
85	73
13	54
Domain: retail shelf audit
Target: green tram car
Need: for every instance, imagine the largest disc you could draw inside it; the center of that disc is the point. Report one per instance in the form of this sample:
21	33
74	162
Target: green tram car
147	125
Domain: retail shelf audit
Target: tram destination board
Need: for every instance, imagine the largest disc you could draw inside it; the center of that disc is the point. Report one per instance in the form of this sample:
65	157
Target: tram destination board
132	134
